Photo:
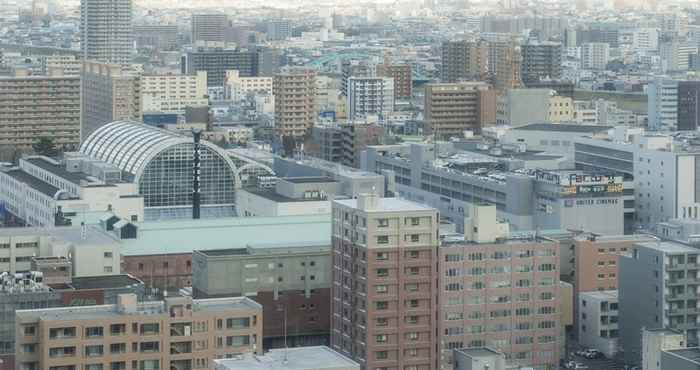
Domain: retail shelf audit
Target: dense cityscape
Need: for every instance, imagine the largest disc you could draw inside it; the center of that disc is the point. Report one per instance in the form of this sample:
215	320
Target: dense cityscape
371	185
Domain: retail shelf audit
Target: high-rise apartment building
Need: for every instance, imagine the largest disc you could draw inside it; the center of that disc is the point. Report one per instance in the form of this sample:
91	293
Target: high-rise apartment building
209	27
595	55
173	93
541	61
688	105
216	62
384	270
499	292
505	65
452	108
464	61
675	55
106	33
403	78
178	333
294	90
160	37
110	93
369	96
32	107
658	288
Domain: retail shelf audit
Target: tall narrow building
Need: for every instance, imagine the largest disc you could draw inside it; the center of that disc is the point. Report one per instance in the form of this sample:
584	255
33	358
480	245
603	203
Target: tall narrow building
505	64
106	33
110	93
294	91
464	61
688	105
384	268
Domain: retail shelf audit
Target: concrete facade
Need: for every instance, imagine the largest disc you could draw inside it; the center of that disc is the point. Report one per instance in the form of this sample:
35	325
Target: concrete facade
598	321
172	93
106	33
452	109
295	108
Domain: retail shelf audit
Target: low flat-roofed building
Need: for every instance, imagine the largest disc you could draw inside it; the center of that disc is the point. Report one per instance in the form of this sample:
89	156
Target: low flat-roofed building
297	278
300	358
598	318
681	359
177	333
482	358
291	196
655	342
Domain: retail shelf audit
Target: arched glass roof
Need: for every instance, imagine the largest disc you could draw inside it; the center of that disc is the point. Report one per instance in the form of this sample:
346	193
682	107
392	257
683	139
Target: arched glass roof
130	145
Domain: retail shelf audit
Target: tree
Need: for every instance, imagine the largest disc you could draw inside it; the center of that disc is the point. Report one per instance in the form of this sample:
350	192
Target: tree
46	147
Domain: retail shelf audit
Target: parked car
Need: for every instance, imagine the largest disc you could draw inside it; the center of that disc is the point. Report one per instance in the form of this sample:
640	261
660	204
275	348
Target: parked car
594	354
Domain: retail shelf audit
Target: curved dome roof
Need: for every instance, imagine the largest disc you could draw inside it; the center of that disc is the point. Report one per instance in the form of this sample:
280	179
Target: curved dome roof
130	145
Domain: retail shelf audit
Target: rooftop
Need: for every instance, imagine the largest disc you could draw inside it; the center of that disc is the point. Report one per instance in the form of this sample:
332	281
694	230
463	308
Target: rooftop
104	282
33	182
71	234
689	354
299	358
184	236
156	308
561	127
479	352
308	180
669	247
279	198
389	205
602	295
58	170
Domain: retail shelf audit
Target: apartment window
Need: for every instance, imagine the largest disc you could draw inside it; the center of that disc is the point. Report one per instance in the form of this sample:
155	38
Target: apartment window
382	222
95	331
413	303
382	305
150	365
94	351
382	355
382	321
453	257
414	254
238	323
29	348
120	365
412	271
382	272
381	338
412	320
108	254
237	340
415	221
412	336
62	352
381	288
94	367
150	329
412	352
116	348
383	239
149	347
414	239
412	287
382	256
117	329
30	330
59	333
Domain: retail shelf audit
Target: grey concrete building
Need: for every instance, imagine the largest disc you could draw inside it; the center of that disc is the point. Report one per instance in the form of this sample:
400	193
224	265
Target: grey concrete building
209	27
159	37
688	105
216	61
527	199
292	283
106	33
110	93
541	61
657	287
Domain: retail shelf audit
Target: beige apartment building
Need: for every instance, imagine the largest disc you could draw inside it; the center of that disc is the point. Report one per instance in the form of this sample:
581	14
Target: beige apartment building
294	91
403	78
177	334
384	268
110	93
32	107
452	108
500	291
173	93
505	65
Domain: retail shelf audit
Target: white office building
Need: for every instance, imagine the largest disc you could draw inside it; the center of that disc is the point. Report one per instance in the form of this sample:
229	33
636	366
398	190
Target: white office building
662	104
370	96
597	322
